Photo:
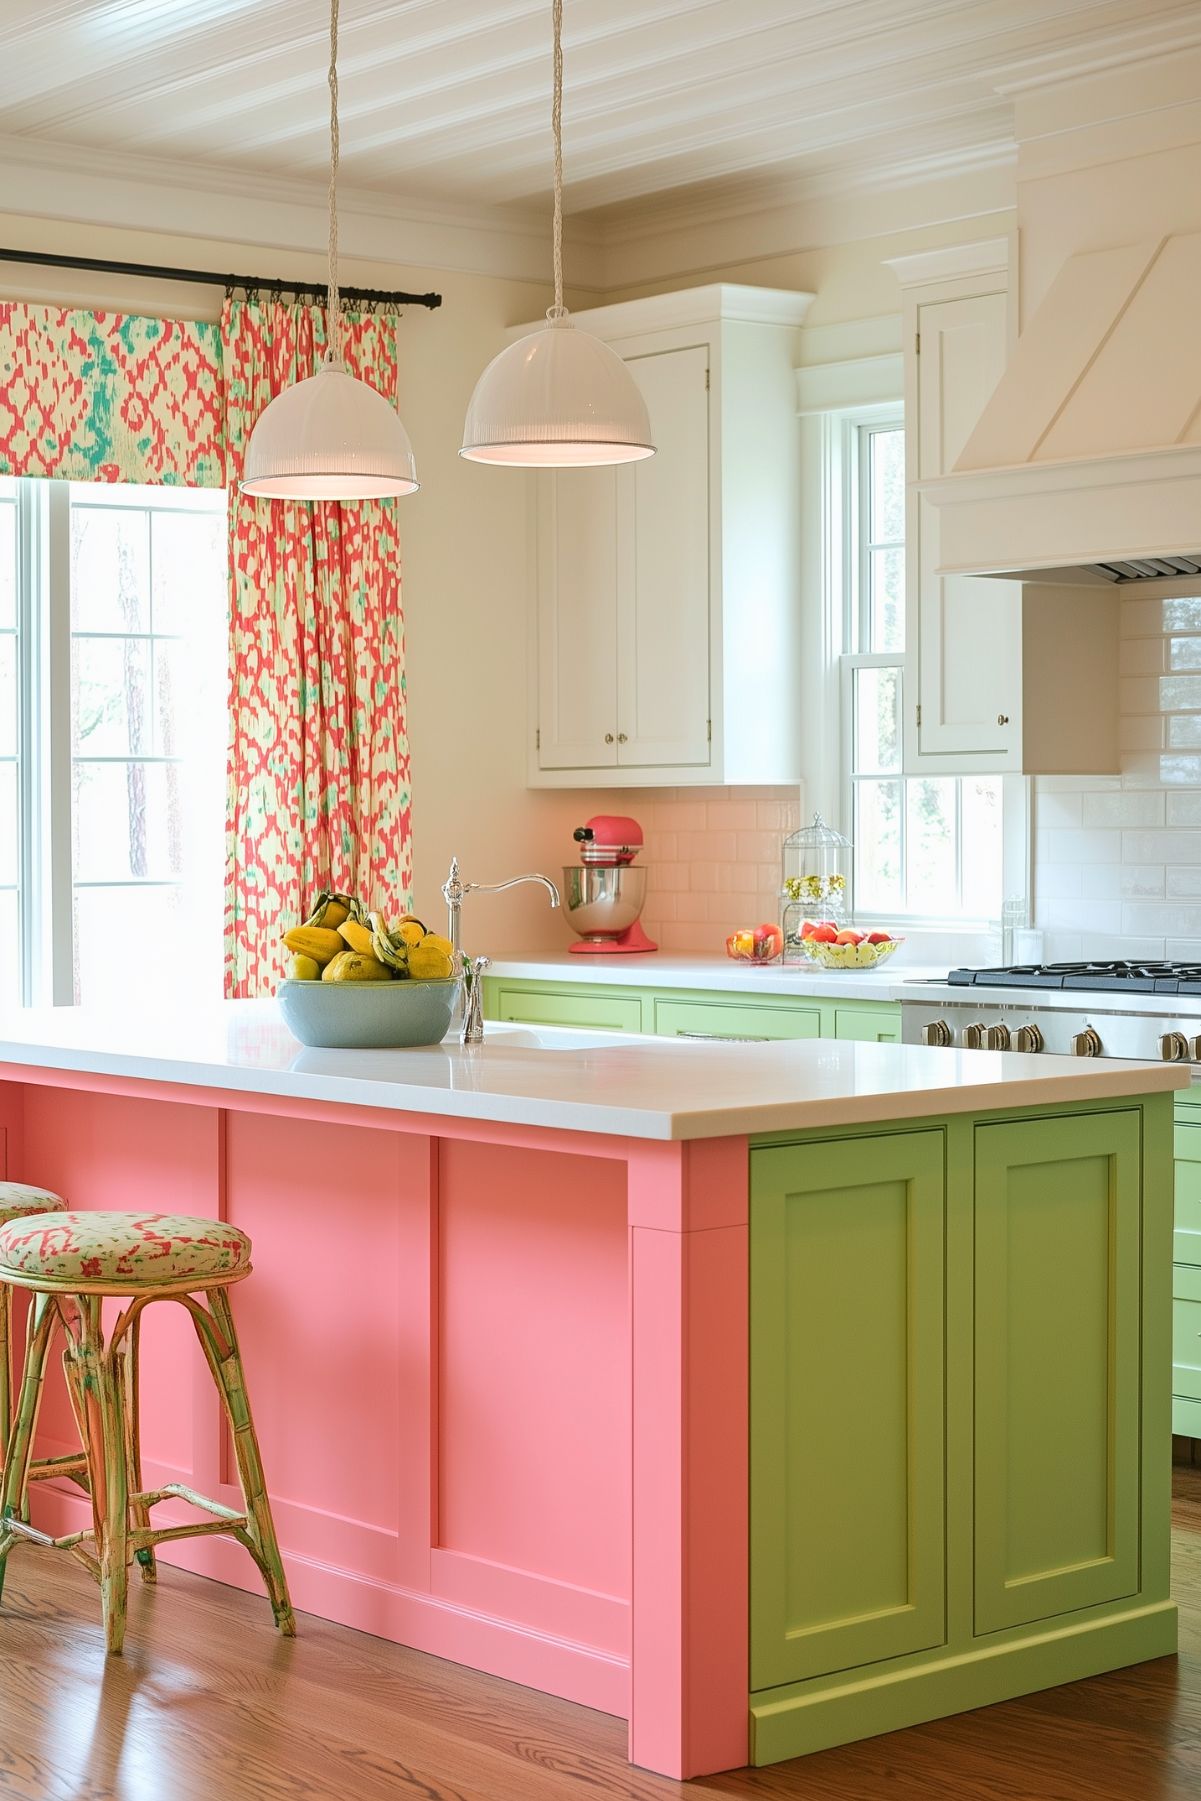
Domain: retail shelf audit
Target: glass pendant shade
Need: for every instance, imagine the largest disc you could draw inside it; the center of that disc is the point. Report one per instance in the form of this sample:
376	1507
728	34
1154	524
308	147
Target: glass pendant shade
558	398
330	437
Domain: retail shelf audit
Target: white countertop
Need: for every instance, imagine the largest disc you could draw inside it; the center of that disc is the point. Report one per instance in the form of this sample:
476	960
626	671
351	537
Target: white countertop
673	969
618	1084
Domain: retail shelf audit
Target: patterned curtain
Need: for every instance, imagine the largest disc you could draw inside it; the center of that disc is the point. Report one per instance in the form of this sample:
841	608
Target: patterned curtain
319	758
109	397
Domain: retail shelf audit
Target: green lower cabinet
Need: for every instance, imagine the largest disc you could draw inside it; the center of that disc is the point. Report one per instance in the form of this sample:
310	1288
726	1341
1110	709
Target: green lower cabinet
959	1414
870	1025
847	1258
1186	1288
587	1009
1057	1366
722	1018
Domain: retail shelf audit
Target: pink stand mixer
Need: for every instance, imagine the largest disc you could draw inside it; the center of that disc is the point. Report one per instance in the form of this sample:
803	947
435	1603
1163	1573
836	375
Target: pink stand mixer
603	893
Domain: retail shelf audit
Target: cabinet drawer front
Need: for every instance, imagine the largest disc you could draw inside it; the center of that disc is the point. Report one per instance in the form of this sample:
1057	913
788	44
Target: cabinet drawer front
592	1010
719	1019
870	1025
1186	1333
1056	1365
847	1434
1188	1194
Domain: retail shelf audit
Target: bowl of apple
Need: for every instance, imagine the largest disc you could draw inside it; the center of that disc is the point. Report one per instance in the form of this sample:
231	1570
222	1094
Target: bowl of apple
834	947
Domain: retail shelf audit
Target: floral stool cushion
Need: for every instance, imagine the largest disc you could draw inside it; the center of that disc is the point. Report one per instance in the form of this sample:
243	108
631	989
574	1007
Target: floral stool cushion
134	1250
19	1198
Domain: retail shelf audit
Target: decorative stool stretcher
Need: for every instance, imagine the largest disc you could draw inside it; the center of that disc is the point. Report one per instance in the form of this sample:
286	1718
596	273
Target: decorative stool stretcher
19	1200
72	1262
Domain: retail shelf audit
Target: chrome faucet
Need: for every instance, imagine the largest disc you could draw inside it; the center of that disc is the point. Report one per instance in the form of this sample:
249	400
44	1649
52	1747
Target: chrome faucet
454	891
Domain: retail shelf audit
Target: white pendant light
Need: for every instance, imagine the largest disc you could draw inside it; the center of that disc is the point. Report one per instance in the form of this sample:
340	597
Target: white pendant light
558	398
330	437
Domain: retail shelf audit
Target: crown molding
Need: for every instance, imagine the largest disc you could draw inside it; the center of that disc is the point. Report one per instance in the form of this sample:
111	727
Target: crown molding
280	214
716	303
988	256
1113	50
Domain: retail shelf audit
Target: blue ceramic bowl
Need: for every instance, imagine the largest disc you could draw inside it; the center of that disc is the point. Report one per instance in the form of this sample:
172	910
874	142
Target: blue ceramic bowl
362	1016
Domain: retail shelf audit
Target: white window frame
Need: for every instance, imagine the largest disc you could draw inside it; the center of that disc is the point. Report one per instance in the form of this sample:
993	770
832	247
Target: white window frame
849	469
45	859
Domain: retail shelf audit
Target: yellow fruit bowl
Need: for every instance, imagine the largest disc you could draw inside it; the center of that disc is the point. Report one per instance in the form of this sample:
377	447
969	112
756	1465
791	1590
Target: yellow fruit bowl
848	956
363	1016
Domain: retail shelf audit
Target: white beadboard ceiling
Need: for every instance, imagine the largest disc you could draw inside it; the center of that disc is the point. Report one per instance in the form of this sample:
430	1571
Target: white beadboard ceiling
446	102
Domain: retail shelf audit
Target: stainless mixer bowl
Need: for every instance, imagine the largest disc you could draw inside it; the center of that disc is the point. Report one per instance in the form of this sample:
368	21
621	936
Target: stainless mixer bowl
600	901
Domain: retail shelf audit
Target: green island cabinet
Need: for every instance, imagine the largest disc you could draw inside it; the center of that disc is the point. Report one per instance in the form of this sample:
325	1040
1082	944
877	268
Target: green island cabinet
719	1014
959	1414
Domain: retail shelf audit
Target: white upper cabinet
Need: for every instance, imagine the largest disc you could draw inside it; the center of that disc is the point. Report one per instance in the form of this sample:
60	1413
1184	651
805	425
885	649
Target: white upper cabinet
968	641
666	641
1001	676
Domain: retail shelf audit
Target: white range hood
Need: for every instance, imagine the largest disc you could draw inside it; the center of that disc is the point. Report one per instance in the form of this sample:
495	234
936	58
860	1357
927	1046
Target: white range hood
1085	465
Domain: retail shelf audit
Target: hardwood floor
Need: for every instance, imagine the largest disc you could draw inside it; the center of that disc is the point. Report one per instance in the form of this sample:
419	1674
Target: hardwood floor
208	1705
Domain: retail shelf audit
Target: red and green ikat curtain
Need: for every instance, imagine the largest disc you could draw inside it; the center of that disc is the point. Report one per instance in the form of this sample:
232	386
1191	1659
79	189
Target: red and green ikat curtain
109	397
318	775
318	757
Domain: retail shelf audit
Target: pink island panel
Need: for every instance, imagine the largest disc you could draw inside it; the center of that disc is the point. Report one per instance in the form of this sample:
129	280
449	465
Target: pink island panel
499	1376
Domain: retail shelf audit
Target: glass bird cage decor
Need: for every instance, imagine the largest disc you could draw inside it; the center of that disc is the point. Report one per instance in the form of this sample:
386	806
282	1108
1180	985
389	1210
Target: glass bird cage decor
816	882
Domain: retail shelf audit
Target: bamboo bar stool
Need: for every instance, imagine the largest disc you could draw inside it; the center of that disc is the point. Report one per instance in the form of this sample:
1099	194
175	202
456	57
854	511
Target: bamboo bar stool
71	1262
19	1200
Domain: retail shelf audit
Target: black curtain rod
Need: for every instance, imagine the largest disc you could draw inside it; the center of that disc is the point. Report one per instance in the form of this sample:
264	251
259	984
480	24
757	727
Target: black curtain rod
212	278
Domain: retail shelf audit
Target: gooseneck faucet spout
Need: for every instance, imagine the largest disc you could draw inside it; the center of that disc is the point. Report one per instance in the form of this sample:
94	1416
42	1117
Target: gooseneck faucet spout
455	890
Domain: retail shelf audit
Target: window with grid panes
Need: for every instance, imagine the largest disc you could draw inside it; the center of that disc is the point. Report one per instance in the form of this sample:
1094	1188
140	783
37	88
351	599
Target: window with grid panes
926	847
124	669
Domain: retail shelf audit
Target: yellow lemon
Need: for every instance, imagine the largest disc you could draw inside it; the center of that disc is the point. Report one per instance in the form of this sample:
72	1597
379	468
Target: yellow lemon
429	965
305	969
351	966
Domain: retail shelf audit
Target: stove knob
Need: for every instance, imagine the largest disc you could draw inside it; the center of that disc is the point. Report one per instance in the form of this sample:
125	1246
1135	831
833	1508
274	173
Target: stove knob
1087	1043
1197	1050
939	1032
973	1037
1028	1038
1173	1047
997	1038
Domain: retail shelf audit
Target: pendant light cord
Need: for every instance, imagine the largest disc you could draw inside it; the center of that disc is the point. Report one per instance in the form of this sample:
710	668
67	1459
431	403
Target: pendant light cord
558	310
333	352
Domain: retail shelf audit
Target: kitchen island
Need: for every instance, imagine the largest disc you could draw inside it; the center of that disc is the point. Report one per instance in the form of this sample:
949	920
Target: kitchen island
553	1340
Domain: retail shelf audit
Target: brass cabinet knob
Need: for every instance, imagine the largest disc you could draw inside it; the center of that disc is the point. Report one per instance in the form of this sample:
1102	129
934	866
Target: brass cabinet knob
608	737
1002	718
622	738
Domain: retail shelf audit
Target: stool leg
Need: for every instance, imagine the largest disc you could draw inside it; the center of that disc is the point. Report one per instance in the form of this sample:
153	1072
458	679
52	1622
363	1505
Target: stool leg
130	1355
231	1381
19	1451
100	1383
6	1365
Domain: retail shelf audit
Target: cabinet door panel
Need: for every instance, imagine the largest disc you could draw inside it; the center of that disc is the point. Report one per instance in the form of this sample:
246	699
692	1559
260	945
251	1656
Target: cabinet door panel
1187	1237
870	1025
968	636
577	619
663	570
723	1019
1186	1333
593	1010
1057	1365
847	1435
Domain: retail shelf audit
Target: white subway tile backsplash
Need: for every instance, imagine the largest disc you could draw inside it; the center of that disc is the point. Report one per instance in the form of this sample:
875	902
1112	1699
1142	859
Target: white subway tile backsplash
1123	809
1183	883
1153	917
1142	881
1068	846
1058	881
1053	809
1161	847
1184	809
